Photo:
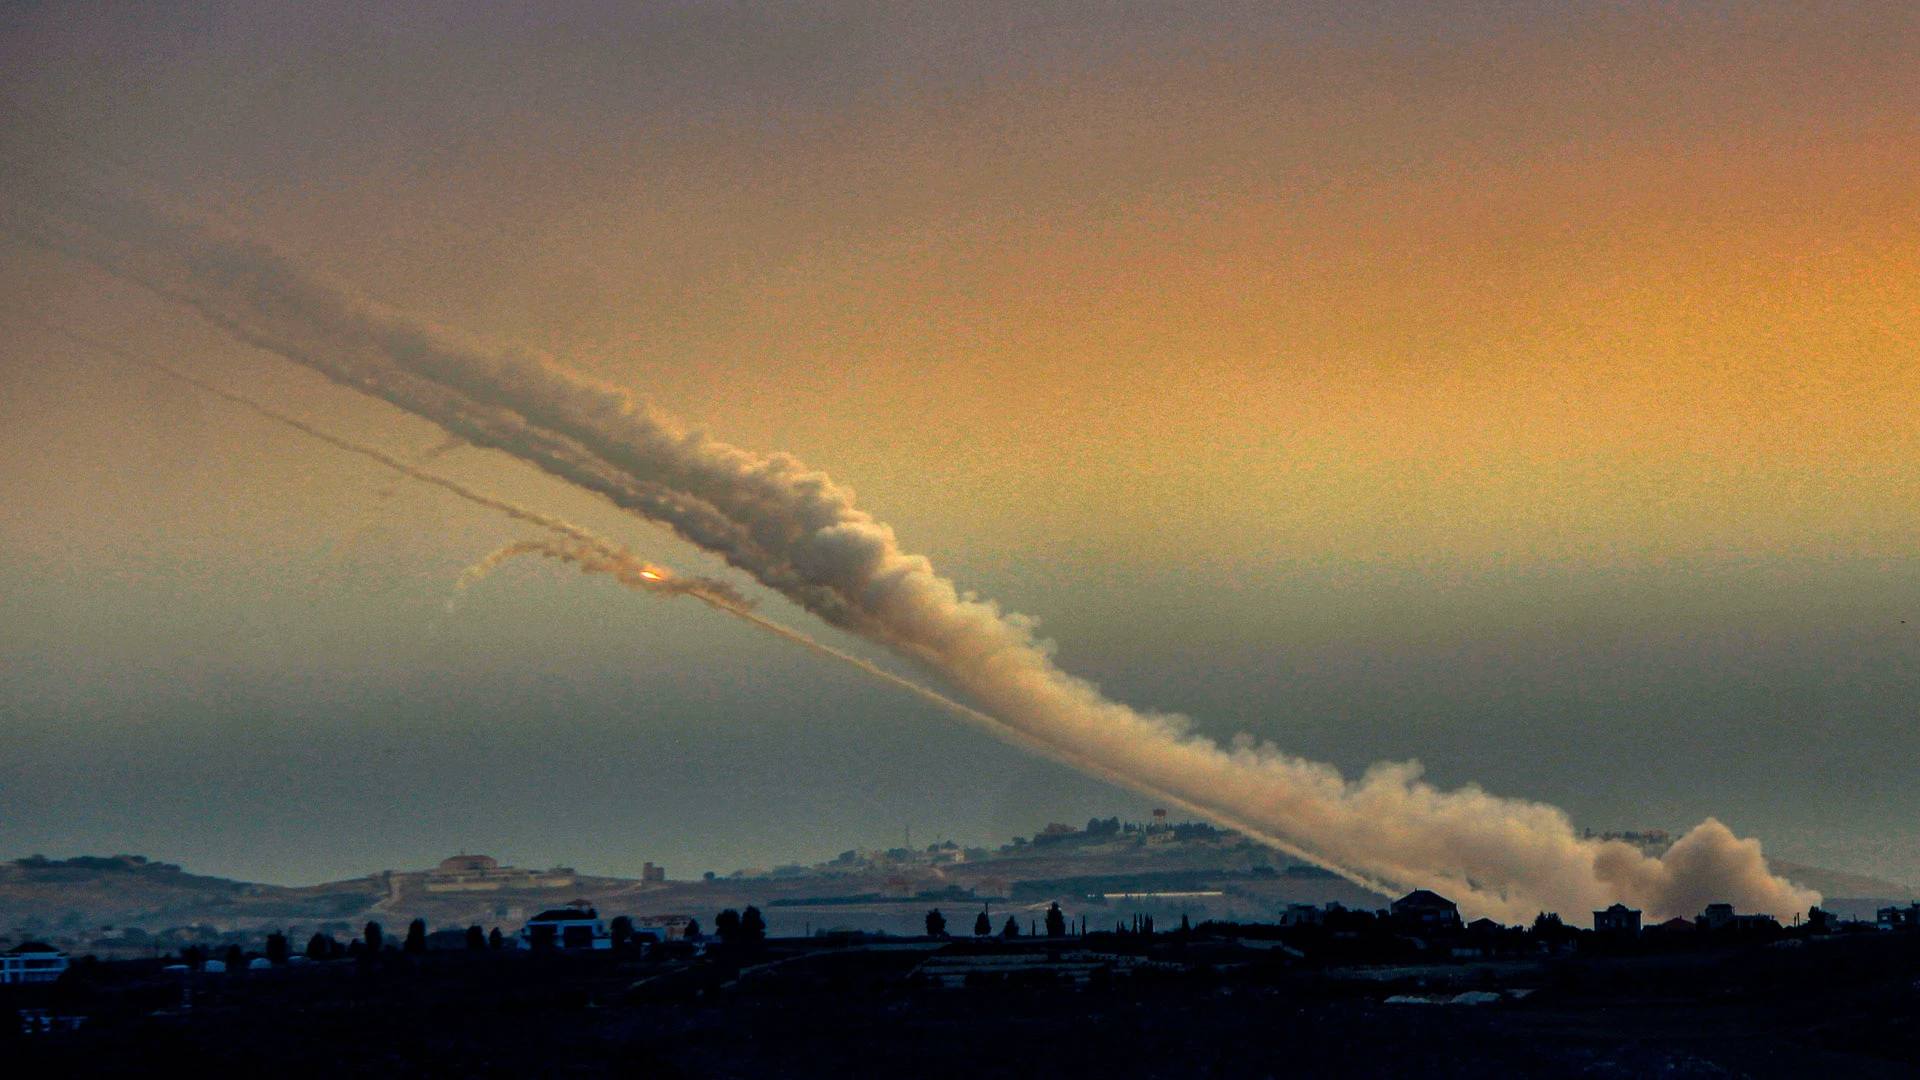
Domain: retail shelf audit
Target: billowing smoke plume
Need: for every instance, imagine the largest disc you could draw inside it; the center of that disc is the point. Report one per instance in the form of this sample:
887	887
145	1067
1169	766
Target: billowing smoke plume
593	554
800	534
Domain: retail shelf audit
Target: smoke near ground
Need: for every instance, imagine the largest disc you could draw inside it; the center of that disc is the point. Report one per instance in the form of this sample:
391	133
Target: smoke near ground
797	532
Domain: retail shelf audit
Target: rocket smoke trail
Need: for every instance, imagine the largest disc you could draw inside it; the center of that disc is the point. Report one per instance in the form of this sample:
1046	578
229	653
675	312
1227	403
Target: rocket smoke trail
797	532
593	554
591	561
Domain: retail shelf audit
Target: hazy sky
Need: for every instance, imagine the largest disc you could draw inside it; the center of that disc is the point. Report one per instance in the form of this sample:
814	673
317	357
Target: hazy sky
1529	389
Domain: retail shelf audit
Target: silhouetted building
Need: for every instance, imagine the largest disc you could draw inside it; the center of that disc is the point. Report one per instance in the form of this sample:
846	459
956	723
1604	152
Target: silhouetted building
32	962
1423	909
1618	919
1302	915
569	928
1898	918
653	875
1721	917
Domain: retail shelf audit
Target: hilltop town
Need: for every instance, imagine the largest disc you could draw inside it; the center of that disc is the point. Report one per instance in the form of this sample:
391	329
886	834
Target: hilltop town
1405	987
1103	873
1173	936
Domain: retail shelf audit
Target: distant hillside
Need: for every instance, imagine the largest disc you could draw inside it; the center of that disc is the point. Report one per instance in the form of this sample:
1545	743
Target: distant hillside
1831	883
128	905
120	902
85	892
90	895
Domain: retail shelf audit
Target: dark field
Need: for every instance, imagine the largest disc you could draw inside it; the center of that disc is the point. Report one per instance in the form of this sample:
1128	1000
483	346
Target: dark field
1841	1008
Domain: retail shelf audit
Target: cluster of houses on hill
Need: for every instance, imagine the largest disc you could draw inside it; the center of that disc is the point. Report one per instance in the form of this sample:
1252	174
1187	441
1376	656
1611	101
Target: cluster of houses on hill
1421	915
1427	913
483	873
1422	912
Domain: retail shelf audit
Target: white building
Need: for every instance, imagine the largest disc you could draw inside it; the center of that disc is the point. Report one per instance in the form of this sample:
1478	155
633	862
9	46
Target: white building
569	928
32	962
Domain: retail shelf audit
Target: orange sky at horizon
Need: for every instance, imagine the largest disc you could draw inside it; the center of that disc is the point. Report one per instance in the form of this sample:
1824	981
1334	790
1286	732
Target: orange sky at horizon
1532	389
1630	285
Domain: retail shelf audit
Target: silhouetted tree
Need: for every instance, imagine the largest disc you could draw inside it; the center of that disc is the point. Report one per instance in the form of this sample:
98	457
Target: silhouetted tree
620	930
236	958
496	940
1549	929
727	925
373	936
319	947
1012	929
417	936
193	956
277	949
476	939
936	924
1056	921
982	927
692	932
1184	924
752	926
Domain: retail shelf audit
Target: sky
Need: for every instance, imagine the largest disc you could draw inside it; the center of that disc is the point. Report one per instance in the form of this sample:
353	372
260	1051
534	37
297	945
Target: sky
1526	389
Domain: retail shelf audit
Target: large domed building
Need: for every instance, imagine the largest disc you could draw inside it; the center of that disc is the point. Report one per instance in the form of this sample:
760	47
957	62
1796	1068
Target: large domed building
483	873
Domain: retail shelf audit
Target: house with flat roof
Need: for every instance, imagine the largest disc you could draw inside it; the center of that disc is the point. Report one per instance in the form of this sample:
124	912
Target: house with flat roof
574	928
32	962
1721	917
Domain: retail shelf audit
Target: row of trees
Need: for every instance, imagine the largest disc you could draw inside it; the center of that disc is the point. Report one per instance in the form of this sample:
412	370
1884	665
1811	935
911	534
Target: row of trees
739	927
730	926
373	941
983	926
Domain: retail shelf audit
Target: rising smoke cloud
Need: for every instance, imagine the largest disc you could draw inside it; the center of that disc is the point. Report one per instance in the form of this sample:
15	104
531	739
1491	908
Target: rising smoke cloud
797	532
593	554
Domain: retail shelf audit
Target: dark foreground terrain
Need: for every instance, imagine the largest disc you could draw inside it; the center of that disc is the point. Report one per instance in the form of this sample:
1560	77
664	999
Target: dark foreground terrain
1173	1006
